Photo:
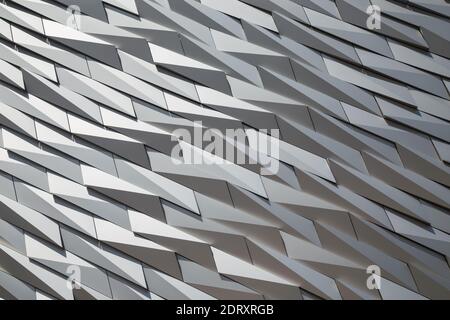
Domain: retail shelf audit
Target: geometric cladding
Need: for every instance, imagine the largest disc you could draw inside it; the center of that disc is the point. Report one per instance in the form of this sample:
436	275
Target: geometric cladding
116	180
